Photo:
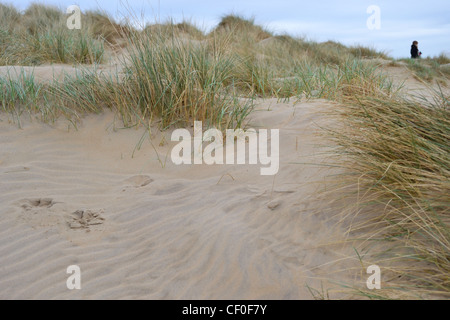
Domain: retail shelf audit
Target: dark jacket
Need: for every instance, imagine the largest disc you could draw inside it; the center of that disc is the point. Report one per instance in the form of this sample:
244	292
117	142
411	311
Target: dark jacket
414	52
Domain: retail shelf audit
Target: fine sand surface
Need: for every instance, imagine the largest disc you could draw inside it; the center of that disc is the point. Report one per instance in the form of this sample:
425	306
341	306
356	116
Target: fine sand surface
139	226
48	73
54	72
415	88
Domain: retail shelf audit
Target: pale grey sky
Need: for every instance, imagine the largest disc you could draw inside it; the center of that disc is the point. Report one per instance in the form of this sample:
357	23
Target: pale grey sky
402	21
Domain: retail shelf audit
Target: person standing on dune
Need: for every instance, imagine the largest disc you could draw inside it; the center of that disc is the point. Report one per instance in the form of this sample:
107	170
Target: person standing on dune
415	53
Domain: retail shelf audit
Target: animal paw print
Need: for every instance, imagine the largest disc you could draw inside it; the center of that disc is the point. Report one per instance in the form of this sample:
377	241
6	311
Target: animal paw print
37	203
84	219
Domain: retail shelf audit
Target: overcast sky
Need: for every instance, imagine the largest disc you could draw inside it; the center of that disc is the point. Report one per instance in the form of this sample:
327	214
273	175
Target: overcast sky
401	21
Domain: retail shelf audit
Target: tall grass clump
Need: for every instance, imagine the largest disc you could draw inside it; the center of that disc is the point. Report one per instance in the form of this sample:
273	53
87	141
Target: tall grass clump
190	29
338	83
397	154
429	69
9	17
242	28
164	80
20	94
366	52
184	30
40	35
38	17
101	26
179	82
421	69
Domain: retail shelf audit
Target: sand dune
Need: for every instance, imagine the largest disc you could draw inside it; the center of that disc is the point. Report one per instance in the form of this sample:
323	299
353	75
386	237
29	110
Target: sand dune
140	227
48	73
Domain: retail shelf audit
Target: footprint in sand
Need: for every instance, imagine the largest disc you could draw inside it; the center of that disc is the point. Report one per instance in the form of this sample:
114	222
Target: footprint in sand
38	212
29	204
84	219
44	212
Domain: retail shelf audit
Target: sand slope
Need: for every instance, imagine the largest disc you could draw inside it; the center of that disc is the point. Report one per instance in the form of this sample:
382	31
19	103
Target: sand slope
141	230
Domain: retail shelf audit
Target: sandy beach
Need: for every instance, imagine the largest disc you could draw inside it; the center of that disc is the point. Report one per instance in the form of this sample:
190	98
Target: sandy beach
163	232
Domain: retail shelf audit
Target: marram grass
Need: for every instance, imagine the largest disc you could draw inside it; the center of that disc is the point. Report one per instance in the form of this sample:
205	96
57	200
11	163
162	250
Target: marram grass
395	151
397	154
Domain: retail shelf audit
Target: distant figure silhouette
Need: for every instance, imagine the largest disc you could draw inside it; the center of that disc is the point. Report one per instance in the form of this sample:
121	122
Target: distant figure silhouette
415	53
